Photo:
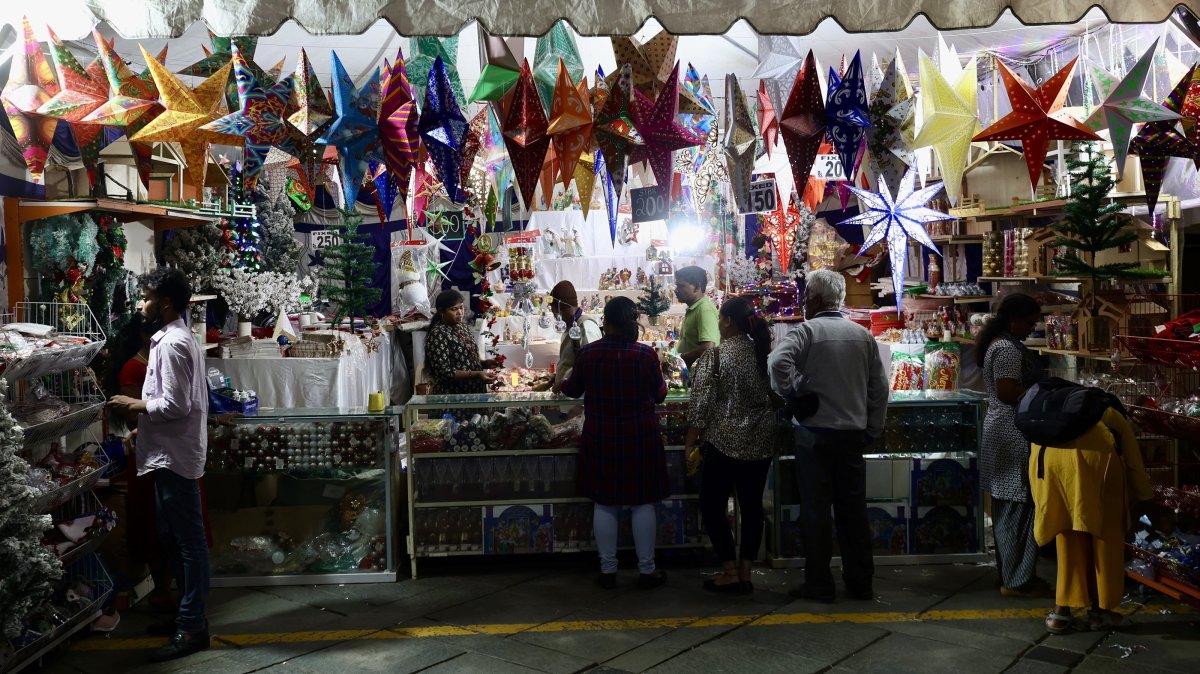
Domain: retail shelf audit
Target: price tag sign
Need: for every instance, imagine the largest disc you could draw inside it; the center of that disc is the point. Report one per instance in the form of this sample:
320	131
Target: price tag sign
763	197
828	167
648	203
322	238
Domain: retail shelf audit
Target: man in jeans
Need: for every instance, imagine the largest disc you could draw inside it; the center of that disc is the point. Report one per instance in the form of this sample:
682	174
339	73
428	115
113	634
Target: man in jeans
171	442
839	361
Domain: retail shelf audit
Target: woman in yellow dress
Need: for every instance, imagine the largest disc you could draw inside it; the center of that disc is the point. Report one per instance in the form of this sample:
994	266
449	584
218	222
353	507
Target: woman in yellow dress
1083	495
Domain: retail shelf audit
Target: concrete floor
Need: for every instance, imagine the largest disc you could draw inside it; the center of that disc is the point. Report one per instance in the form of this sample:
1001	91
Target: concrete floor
549	617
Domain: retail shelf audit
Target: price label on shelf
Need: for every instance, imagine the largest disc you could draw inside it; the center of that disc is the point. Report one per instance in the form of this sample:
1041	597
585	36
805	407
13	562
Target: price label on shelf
828	167
648	203
762	196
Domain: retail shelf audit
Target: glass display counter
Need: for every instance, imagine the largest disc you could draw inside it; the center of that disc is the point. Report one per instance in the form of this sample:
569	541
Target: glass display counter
303	496
923	494
494	474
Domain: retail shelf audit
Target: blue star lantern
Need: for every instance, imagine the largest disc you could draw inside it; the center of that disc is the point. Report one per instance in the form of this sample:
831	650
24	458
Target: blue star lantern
897	219
846	114
355	132
443	128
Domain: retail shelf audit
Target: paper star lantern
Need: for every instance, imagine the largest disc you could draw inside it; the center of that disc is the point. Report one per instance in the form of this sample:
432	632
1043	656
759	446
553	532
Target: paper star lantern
846	115
525	135
585	180
500	69
660	130
496	159
398	126
652	65
472	144
803	122
259	118
616	134
571	122
1037	117
1123	105
424	53
310	119
1189	112
443	128
711	170
30	84
1158	141
611	196
699	88
355	132
780	227
778	58
948	103
741	143
768	123
897	219
893	115
222	53
81	91
186	110
555	47
132	105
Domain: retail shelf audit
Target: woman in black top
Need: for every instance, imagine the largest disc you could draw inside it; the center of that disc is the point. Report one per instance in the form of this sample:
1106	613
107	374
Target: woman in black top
451	354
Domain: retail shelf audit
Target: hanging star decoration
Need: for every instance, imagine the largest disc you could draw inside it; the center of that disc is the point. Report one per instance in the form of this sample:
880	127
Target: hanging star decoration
222	53
1123	105
779	226
699	88
611	196
30	84
803	122
310	116
893	119
570	126
556	47
1037	117
741	143
651	67
948	109
711	170
1189	113
896	220
186	110
398	126
616	134
472	144
768	123
778	58
355	132
383	186
525	135
846	115
259	118
425	52
496	159
500	68
1157	142
81	91
660	130
132	104
443	128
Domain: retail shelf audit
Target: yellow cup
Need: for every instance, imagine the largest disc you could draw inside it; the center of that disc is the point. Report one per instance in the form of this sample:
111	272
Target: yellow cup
375	402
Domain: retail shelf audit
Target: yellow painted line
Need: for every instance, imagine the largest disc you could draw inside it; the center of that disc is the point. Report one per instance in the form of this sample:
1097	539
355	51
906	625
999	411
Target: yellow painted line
505	629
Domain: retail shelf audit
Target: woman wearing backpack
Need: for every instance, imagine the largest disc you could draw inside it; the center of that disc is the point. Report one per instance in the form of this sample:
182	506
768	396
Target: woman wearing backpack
1009	368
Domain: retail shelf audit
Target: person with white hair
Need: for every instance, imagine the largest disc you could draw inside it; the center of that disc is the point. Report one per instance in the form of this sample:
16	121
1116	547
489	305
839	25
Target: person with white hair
838	361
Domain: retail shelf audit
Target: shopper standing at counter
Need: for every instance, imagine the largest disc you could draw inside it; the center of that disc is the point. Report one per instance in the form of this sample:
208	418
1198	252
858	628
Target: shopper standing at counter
1009	368
621	461
699	332
452	356
564	303
839	361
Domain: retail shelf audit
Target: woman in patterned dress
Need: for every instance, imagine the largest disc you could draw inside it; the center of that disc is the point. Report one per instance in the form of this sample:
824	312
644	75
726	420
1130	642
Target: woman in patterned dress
1009	368
730	415
451	354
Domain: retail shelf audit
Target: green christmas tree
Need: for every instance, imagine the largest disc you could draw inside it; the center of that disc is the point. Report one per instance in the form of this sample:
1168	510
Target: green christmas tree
348	271
653	301
1093	222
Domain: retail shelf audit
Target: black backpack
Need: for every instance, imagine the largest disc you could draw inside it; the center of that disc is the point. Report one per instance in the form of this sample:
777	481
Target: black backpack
1055	411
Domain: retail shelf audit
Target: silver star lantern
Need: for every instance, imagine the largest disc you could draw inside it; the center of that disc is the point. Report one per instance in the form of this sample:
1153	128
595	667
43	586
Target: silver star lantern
741	142
893	119
897	219
710	170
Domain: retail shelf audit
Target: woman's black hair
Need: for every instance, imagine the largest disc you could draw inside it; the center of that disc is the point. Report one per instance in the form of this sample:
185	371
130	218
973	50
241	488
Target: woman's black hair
747	321
125	346
1016	305
443	301
620	317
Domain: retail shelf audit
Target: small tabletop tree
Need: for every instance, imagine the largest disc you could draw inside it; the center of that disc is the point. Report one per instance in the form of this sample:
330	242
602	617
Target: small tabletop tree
653	301
348	271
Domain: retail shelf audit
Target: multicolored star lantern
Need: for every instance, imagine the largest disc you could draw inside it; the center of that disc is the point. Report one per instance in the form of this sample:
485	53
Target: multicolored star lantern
948	109
525	135
893	116
132	105
222	53
355	132
651	65
30	84
741	143
500	69
398	126
1037	117
443	128
616	134
557	47
472	144
571	122
897	219
259	118
81	91
424	52
308	123
768	123
846	115
1123	105
660	130
1158	141
803	122
779	226
699	88
186	110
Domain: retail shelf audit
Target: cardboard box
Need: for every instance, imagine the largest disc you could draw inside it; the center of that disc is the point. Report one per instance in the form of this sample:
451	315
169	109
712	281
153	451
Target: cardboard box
518	529
889	528
945	482
943	530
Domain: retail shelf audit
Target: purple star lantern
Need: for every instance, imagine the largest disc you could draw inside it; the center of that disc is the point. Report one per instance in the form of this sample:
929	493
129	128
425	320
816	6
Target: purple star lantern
443	128
896	220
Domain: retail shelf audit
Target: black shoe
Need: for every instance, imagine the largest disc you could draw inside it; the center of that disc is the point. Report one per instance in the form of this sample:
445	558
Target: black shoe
162	628
806	592
861	595
180	645
648	581
608	581
742	587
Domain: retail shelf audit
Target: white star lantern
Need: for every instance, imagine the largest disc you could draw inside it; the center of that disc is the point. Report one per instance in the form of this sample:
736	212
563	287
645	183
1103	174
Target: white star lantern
895	220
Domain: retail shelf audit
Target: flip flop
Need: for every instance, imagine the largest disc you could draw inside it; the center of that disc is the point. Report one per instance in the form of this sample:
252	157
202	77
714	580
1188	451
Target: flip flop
1053	617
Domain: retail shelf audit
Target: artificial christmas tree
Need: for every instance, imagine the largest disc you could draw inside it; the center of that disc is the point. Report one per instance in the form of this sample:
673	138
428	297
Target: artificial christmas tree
280	249
348	271
245	230
653	301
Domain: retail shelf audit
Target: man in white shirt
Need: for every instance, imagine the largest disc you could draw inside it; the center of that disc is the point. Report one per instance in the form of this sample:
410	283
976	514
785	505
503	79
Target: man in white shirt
171	442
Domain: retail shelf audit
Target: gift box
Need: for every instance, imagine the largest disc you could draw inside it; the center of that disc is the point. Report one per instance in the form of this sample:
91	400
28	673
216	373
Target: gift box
518	529
945	482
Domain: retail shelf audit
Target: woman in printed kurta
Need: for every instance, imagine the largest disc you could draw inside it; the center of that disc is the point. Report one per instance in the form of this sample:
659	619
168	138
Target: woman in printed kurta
730	415
621	458
451	354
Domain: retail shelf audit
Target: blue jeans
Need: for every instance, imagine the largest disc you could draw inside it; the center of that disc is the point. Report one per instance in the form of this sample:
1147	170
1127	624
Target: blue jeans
181	531
605	523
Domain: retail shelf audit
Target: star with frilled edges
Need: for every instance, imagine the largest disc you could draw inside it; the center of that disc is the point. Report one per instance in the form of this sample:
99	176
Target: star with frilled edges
1036	117
1157	142
661	132
896	219
355	132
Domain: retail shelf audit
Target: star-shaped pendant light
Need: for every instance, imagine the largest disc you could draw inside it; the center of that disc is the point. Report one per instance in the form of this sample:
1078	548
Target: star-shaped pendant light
525	135
895	220
30	84
741	142
616	133
571	122
846	114
554	50
768	123
1158	141
893	113
398	126
132	104
443	128
1123	105
949	116
222	53
803	122
660	130
310	118
81	91
355	132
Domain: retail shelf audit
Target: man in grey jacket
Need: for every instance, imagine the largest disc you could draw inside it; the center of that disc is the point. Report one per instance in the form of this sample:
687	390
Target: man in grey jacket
837	360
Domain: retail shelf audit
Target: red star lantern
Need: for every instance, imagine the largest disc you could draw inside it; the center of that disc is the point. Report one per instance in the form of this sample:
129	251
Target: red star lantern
780	227
525	134
657	122
1037	117
767	121
803	122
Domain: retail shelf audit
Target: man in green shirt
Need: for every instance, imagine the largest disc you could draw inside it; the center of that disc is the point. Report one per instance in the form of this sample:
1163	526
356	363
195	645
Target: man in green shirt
700	332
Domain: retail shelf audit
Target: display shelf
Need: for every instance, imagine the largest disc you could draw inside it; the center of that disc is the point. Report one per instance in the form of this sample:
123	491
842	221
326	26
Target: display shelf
81	550
1176	426
1174	353
1006	279
529	501
961	299
954	239
73	321
76	389
1168	587
54	499
164	217
1100	356
517	452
